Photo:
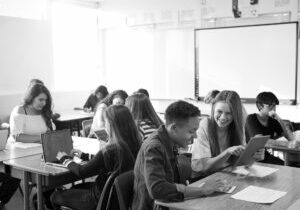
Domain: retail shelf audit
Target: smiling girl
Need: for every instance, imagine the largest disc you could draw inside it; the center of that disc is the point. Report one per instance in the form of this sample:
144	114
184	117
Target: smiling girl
33	117
221	136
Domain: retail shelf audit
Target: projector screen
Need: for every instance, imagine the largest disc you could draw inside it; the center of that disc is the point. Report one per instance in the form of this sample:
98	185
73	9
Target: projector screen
248	59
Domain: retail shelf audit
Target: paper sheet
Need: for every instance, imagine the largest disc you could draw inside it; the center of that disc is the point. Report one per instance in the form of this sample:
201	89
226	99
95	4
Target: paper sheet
258	195
255	170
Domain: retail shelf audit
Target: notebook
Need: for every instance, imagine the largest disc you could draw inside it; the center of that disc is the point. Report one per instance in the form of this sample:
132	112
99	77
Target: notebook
54	142
255	143
3	139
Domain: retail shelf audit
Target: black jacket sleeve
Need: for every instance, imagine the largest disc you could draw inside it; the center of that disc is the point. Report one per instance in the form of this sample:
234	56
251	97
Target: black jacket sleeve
90	168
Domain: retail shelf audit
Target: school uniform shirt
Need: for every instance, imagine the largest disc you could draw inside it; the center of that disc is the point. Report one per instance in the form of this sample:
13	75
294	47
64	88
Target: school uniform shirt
91	102
146	128
155	172
201	147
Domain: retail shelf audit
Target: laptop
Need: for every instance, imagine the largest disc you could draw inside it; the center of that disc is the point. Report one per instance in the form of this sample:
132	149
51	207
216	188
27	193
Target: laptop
255	143
3	138
54	142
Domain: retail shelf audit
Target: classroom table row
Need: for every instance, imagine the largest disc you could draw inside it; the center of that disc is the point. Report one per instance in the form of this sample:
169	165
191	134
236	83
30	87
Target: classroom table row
285	179
24	161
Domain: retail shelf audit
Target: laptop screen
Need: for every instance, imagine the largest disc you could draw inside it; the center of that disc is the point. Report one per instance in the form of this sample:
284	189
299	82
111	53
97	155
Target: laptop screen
3	138
54	142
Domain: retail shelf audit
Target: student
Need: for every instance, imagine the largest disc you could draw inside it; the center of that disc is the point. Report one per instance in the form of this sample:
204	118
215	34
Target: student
220	137
33	117
38	81
144	91
143	113
117	97
266	122
208	99
155	172
118	155
100	93
35	81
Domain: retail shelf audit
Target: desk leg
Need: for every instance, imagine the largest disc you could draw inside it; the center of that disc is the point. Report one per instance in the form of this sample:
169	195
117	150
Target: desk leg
78	127
39	192
26	190
286	160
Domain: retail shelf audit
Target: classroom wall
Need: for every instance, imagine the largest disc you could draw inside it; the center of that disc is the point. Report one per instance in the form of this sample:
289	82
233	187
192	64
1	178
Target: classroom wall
26	43
26	52
146	17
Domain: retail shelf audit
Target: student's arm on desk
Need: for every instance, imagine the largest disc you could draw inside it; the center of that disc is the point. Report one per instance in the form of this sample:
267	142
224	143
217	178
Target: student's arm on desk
287	133
90	168
212	164
206	189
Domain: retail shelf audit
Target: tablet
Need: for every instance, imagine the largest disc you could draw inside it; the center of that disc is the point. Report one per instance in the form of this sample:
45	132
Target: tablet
101	135
255	143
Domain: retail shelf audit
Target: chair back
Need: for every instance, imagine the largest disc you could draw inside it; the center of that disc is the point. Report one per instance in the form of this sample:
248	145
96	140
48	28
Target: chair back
123	185
86	127
104	200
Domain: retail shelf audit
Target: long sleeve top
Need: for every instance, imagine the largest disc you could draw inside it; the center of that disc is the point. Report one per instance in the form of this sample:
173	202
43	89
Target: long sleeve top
102	164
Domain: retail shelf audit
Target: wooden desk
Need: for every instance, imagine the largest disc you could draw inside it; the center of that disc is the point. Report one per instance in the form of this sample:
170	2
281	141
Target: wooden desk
33	169
72	119
285	179
290	153
282	146
11	152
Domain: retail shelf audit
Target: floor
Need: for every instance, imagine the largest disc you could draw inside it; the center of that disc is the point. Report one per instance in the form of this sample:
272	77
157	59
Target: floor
16	202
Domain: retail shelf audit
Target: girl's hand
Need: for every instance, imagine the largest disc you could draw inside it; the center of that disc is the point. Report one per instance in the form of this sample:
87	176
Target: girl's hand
60	155
235	150
76	152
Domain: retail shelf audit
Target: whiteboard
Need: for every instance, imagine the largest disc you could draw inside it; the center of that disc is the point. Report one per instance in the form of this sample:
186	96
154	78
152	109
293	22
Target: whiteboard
248	59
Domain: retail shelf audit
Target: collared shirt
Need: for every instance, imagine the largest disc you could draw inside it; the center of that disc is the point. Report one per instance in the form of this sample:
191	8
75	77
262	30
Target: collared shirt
155	172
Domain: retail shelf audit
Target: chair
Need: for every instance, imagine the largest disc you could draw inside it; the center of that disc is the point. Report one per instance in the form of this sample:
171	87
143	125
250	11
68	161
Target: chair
104	201
86	127
123	185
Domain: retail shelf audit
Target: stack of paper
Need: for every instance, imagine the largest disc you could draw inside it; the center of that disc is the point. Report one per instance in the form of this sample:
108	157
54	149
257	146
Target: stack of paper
258	195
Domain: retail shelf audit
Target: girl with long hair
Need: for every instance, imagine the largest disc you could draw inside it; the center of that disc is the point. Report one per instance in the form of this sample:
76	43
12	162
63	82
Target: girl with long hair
34	116
118	155
221	136
143	113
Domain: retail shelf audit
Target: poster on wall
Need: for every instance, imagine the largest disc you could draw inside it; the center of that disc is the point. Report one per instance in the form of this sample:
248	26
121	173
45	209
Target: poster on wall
248	8
216	8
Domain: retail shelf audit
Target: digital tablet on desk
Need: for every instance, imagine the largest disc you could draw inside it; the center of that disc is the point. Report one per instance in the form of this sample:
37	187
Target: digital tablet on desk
255	143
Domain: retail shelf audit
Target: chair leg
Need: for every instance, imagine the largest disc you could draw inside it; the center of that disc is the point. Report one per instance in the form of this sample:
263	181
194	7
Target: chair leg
21	191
